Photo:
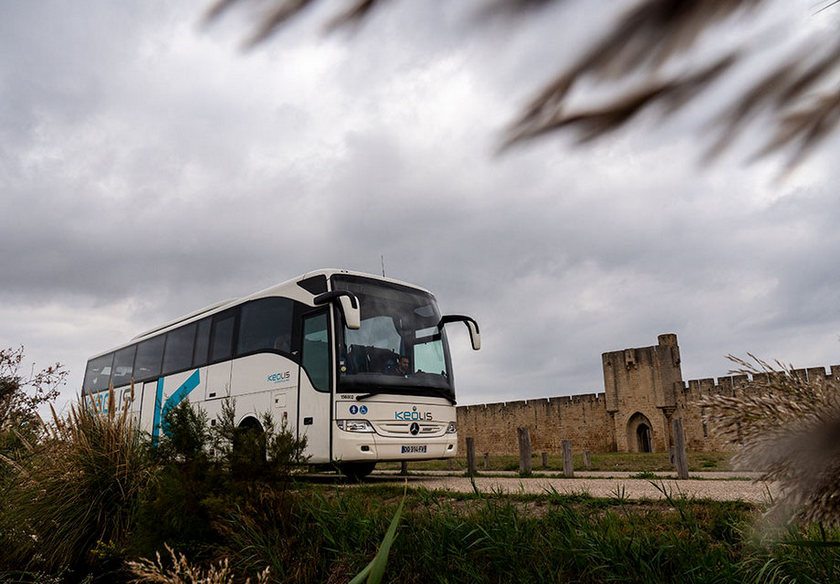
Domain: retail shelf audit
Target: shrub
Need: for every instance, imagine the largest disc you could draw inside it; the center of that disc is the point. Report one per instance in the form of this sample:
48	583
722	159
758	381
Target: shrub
173	507
256	451
284	450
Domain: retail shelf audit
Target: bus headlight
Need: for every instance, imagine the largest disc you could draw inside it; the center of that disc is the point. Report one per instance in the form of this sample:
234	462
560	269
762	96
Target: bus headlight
452	428
354	425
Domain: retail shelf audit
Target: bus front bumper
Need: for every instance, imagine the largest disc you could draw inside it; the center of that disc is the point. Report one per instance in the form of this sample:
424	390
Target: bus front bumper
369	446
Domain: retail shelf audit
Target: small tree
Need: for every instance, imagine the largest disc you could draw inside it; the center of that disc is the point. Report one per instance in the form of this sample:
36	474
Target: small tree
20	398
186	436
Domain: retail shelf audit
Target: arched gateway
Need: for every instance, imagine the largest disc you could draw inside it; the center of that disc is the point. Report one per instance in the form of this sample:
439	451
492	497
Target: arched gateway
639	433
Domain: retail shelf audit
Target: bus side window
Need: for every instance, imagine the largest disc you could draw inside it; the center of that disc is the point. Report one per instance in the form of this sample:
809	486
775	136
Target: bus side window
221	347
266	325
202	343
178	354
98	374
123	366
149	357
315	356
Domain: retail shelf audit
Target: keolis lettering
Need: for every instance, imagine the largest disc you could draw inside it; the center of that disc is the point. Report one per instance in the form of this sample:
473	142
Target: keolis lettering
413	416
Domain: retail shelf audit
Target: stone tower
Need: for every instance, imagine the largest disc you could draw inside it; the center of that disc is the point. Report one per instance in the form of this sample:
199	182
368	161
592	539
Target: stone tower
641	389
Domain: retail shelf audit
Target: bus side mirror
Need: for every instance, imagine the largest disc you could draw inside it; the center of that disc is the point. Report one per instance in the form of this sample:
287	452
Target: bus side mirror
348	303
475	335
352	314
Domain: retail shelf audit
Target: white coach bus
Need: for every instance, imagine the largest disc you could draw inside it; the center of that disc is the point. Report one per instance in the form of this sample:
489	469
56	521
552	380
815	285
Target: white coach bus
356	363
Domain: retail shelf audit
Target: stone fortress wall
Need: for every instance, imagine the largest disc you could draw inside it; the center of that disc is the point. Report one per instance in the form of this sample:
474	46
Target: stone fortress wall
643	392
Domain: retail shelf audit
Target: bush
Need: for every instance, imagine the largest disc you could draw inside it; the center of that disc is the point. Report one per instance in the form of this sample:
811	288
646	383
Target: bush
193	488
20	398
173	507
77	489
258	450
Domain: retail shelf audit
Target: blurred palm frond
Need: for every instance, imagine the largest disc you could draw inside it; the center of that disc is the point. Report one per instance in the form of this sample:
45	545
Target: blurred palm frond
647	40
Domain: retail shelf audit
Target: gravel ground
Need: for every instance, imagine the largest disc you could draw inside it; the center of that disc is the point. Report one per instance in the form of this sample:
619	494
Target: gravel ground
721	487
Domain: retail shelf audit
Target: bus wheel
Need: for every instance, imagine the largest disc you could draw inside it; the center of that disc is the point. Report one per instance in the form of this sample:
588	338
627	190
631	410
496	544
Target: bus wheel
249	447
356	471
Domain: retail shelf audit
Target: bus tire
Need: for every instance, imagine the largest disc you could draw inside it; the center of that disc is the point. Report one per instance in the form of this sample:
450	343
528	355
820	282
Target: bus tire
249	443
356	471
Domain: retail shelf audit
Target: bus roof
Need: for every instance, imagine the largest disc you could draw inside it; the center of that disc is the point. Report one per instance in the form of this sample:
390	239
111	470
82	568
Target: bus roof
287	288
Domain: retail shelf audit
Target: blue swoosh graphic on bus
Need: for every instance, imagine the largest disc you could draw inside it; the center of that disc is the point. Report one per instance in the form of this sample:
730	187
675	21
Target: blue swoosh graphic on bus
156	423
182	392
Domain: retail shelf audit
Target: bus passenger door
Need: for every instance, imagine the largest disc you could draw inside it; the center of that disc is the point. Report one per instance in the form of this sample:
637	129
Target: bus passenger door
314	420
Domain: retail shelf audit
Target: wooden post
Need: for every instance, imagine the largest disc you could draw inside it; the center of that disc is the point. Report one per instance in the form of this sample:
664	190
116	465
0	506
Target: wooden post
449	464
486	461
545	459
680	459
471	456
587	462
524	450
568	462
404	467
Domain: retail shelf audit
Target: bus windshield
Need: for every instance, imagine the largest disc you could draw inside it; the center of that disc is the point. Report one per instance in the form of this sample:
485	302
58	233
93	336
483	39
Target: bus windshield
398	348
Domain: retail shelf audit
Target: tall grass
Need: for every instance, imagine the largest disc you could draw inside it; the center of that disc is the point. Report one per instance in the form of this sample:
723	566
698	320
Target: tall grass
76	489
786	425
183	572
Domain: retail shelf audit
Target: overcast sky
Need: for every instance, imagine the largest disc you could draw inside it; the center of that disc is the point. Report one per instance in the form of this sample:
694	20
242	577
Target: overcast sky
148	167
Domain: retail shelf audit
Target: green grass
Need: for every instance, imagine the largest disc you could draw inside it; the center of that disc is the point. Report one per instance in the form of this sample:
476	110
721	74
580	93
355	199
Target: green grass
610	461
487	537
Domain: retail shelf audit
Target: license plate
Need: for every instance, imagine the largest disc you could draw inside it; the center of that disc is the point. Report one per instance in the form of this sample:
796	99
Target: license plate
414	448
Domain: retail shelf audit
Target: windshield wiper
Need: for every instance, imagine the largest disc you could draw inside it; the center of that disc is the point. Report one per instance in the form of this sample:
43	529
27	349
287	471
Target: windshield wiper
440	392
371	394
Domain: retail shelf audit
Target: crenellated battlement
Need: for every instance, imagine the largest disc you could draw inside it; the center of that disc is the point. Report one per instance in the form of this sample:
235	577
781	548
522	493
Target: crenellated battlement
734	384
560	400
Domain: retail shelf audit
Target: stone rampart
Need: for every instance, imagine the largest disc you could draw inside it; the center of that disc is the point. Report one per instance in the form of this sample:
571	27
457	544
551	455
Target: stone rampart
581	418
644	391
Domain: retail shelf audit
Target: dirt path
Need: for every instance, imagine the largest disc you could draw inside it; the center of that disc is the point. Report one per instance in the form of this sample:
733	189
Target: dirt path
632	488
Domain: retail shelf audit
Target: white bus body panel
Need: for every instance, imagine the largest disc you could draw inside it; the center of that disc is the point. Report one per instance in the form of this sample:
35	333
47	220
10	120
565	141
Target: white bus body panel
217	380
255	377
